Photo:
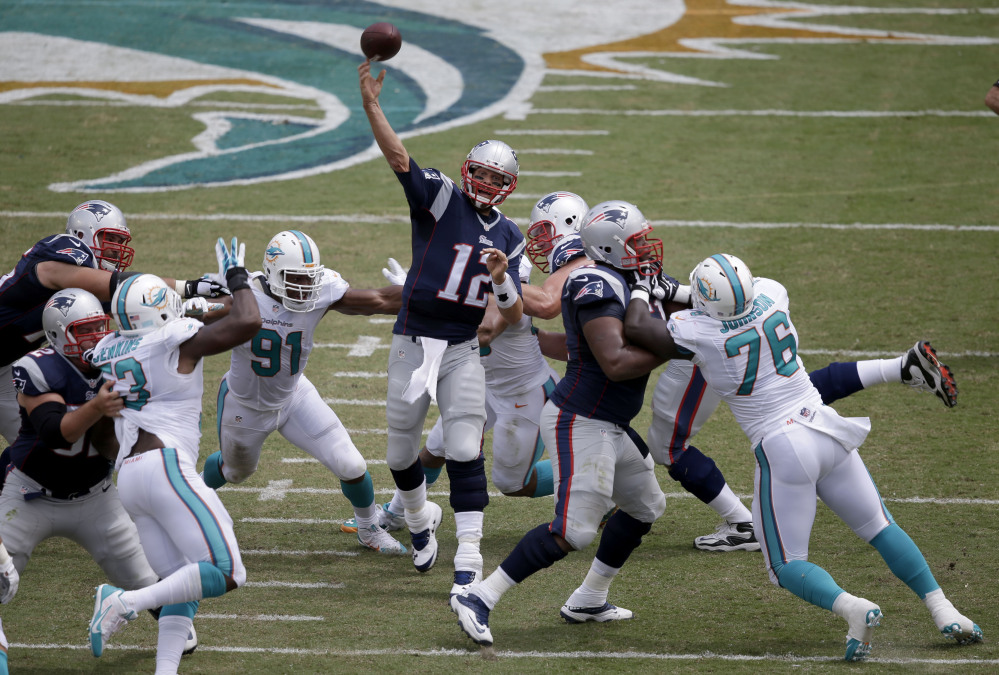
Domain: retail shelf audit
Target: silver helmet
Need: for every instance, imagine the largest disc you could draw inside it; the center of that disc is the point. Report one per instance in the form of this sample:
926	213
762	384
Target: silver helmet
495	156
616	233
101	226
556	215
74	321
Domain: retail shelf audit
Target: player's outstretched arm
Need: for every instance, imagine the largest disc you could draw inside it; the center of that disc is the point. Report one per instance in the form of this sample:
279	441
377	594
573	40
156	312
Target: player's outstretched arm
546	302
386	138
243	320
619	359
646	331
367	301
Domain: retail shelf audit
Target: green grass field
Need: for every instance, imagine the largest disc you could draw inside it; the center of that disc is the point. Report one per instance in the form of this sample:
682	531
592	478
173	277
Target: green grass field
880	221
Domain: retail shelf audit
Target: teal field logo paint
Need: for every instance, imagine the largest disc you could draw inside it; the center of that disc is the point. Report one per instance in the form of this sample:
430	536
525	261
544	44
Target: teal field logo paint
169	54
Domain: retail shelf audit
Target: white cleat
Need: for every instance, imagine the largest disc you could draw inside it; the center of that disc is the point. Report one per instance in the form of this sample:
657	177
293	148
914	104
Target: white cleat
379	540
729	537
110	616
601	614
191	644
425	541
955	626
473	618
864	617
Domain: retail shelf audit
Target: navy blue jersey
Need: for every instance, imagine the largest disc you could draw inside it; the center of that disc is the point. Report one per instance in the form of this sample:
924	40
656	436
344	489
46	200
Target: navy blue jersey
62	470
445	292
591	292
565	251
22	296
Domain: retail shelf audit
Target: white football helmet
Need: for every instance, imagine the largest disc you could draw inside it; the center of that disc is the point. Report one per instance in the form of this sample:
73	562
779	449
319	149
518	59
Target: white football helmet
101	226
496	156
722	287
293	270
74	321
556	215
615	232
143	303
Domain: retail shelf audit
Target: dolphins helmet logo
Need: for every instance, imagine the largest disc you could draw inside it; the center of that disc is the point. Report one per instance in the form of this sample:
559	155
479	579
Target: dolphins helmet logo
272	252
155	297
706	291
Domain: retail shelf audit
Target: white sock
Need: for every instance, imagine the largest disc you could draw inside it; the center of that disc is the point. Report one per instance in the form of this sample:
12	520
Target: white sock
395	505
880	371
173	632
941	609
730	507
413	502
593	591
366	516
493	587
184	585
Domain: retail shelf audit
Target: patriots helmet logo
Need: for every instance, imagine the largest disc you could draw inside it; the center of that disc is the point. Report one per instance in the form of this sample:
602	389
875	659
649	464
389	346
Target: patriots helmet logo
546	202
78	256
594	288
617	216
99	210
155	297
272	252
62	303
706	291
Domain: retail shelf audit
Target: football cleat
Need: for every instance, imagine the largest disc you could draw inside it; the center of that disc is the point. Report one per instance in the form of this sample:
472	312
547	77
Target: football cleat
955	626
425	541
379	540
922	371
729	537
110	616
191	644
473	617
863	619
387	520
462	580
603	613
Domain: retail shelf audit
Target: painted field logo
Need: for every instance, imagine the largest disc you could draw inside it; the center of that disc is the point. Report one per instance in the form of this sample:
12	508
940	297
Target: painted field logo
290	56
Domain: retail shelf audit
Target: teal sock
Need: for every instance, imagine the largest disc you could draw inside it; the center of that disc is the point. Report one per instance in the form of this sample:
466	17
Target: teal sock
905	560
360	494
431	474
809	582
546	479
3	663
212	580
212	473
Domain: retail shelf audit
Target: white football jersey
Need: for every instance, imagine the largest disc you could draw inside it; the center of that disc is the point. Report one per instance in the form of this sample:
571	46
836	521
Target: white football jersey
514	362
752	363
264	372
158	399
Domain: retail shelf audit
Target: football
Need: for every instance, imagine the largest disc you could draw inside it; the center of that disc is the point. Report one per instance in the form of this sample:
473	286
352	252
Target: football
381	41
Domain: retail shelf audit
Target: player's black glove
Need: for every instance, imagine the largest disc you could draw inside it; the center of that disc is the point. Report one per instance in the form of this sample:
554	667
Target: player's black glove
640	283
665	287
205	288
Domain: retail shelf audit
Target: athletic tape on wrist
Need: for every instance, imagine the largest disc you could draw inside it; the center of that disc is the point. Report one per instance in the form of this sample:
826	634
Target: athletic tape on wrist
640	294
506	292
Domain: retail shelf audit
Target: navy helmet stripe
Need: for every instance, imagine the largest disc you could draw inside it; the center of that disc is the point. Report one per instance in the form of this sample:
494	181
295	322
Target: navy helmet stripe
120	315
733	279
306	249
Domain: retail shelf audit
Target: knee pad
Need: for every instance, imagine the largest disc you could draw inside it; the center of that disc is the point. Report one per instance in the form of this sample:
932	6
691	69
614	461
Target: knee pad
463	437
237	463
622	535
836	381
469	490
698	475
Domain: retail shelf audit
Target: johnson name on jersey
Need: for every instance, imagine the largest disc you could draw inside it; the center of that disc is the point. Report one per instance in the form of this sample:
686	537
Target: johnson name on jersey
755	357
63	470
264	372
22	296
445	293
158	398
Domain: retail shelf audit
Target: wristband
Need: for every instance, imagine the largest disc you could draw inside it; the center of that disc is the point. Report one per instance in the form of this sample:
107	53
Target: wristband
506	292
236	278
640	294
682	294
996	84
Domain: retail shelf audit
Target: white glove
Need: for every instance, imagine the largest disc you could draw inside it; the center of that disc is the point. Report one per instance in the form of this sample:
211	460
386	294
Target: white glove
396	273
197	306
231	257
9	579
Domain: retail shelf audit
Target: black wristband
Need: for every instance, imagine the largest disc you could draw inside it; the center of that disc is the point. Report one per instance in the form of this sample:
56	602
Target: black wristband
996	84
237	278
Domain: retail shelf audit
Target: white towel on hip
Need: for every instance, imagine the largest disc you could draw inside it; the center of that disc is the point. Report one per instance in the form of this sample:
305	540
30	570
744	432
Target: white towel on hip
424	378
